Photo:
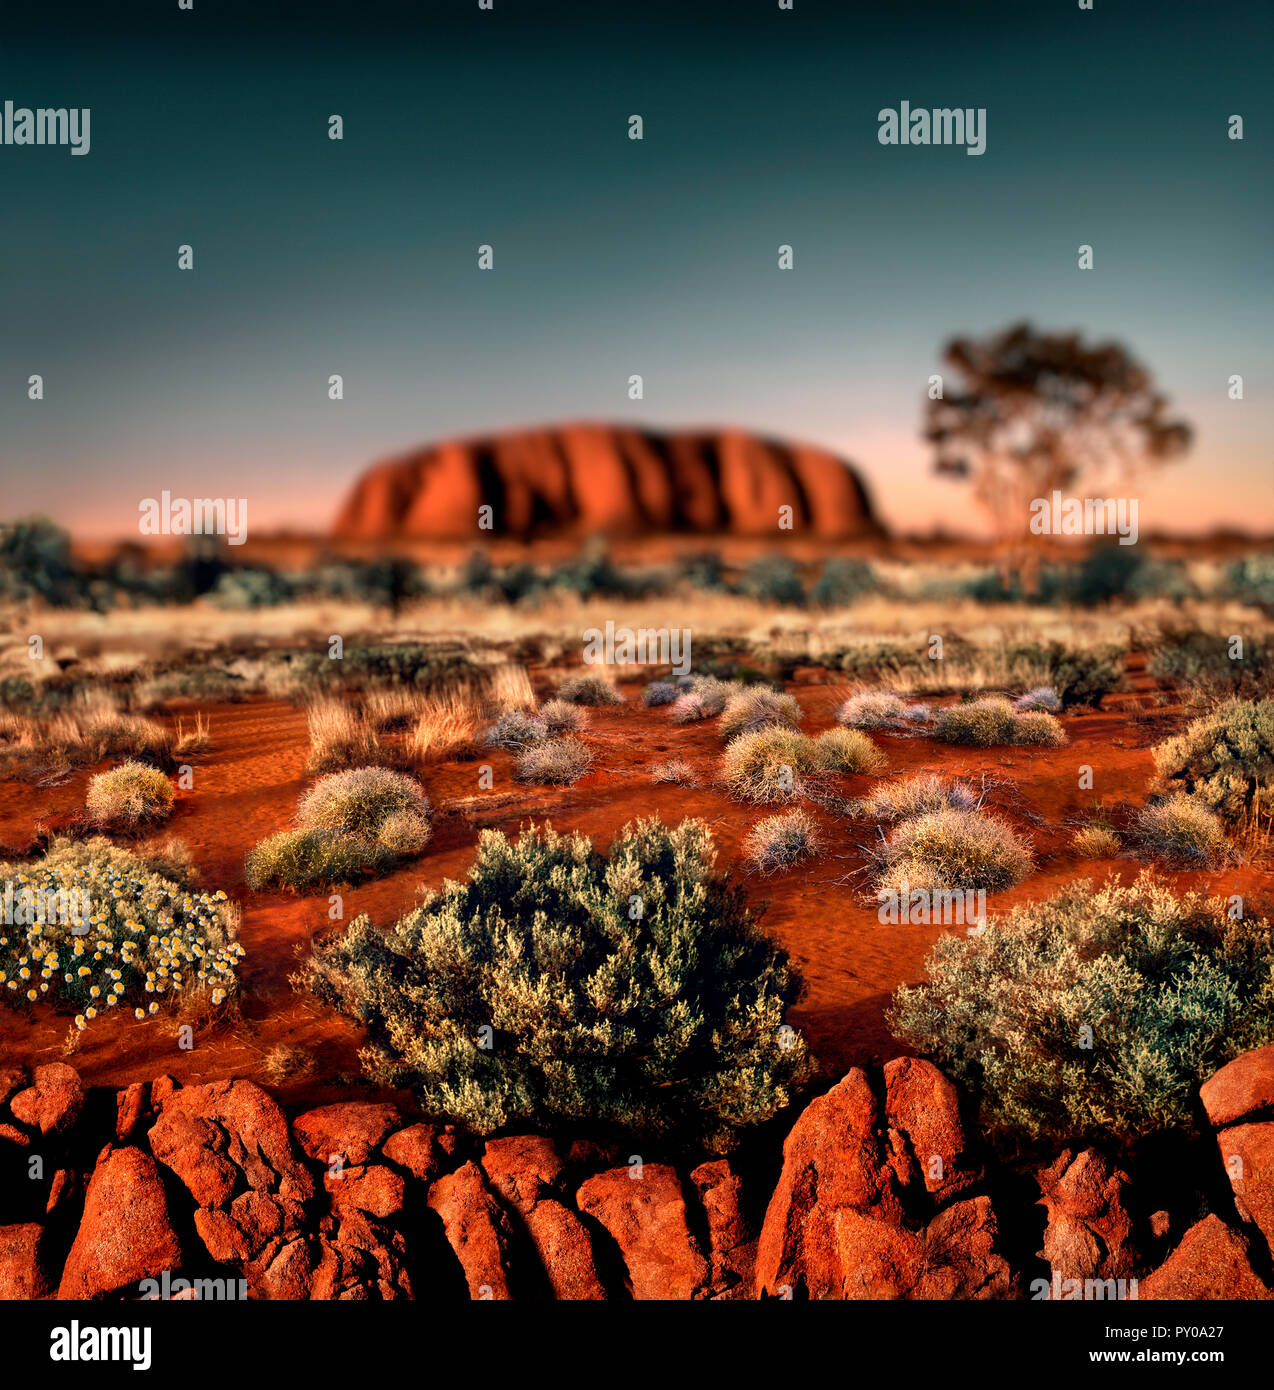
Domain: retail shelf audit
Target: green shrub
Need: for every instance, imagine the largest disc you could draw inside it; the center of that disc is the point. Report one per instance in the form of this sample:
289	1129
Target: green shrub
778	842
769	764
108	932
1094	1015
954	849
304	859
559	762
758	707
1225	760
1080	677
774	579
848	751
534	994
1182	828
588	690
842	582
129	795
1202	661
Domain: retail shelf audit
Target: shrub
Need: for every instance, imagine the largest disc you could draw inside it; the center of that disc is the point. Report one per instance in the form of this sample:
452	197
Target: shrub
558	762
909	797
560	716
111	933
847	750
659	693
774	579
516	729
842	582
778	842
674	770
706	698
1182	828
758	708
1225	759
1095	842
1202	661
1080	677
588	689
954	849
768	765
129	795
665	1024
1038	728
301	859
1043	697
1170	987
985	723
360	801
873	709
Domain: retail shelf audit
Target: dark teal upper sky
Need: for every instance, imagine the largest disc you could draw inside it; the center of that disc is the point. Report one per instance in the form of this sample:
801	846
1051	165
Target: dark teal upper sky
611	256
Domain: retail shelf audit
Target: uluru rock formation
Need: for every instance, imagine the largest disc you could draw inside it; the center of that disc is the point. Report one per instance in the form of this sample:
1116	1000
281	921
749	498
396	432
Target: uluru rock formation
591	479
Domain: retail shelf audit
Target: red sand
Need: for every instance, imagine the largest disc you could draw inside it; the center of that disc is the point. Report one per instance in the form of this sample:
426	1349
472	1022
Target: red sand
246	787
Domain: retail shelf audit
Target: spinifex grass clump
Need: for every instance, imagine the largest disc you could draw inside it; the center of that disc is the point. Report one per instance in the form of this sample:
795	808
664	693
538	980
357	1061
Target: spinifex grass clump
705	699
516	729
847	751
875	709
560	716
1183	829
778	842
659	693
560	987
917	795
953	849
1095	1015
364	821
1226	761
985	723
96	929
588	689
559	762
768	765
758	707
1043	697
130	795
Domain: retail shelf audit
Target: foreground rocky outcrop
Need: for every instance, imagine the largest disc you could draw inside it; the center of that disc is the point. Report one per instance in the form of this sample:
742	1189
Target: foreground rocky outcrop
587	479
884	1192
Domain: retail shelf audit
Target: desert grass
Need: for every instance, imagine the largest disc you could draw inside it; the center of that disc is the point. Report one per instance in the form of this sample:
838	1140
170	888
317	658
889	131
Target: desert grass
769	764
758	707
562	717
676	770
1183	829
559	762
341	735
129	795
517	729
196	739
986	723
953	849
918	795
1095	842
588	688
847	751
780	841
450	719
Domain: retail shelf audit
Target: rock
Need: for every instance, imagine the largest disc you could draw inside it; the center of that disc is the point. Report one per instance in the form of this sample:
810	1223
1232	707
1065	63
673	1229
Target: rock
477	1230
1160	1224
833	1158
1243	1089
1211	1263
526	1170
646	1217
362	1261
22	1271
592	479
60	1190
289	1276
12	1080
1089	1233
954	1257
11	1134
226	1135
125	1234
924	1106
423	1150
1248	1154
351	1131
130	1106
53	1103
372	1188
161	1091
731	1243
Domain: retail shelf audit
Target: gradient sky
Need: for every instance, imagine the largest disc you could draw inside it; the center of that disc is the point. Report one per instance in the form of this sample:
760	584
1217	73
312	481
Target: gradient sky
612	256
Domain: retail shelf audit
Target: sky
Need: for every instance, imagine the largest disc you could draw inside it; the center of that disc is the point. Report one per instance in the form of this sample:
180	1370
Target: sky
612	256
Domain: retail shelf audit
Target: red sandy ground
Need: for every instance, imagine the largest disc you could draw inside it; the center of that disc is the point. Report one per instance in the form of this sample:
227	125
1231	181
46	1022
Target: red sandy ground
246	787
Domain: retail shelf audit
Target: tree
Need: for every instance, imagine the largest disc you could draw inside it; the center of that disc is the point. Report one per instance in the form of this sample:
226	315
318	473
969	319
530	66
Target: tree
1035	413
